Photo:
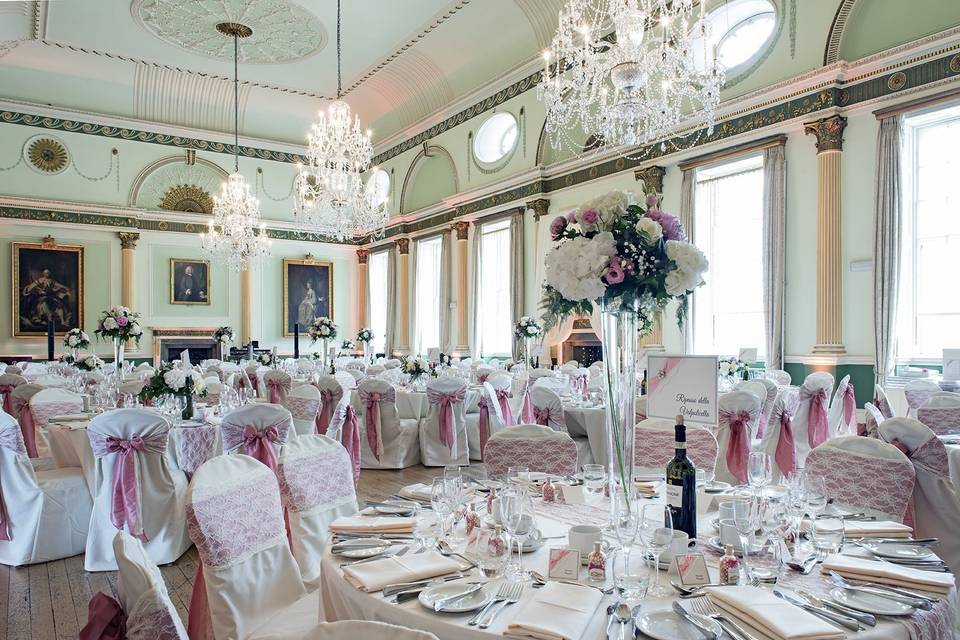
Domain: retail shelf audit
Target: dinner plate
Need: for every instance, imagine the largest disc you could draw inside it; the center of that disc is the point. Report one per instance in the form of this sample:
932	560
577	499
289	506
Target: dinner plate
367	552
869	603
716	486
898	550
471	602
394	507
667	625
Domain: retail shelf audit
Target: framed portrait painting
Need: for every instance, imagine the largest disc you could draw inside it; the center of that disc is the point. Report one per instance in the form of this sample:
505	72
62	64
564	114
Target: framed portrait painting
189	281
307	292
47	285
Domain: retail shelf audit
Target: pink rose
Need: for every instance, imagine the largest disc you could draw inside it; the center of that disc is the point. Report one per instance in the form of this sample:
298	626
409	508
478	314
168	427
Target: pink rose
571	217
652	201
557	227
672	229
122	321
614	272
589	216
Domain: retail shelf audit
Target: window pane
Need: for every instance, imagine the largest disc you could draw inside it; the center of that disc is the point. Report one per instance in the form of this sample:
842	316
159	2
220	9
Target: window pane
494	329
377	289
428	295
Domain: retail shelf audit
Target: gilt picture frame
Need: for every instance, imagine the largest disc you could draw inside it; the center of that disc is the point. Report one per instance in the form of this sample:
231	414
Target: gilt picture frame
189	281
307	292
46	283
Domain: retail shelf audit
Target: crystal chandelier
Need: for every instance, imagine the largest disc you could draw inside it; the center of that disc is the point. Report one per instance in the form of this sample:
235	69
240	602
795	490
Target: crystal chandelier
236	236
330	195
630	72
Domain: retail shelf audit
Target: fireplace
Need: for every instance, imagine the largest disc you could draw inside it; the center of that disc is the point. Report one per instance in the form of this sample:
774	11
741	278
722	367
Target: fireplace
168	342
582	344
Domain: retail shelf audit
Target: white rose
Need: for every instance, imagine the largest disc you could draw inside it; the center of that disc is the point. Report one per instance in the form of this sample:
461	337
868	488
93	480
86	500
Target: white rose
109	323
175	379
650	228
725	368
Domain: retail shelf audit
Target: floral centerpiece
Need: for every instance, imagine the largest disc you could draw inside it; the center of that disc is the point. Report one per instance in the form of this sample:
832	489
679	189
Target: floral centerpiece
348	345
631	261
75	340
732	368
223	336
119	324
525	331
413	367
171	380
365	337
266	359
88	363
323	329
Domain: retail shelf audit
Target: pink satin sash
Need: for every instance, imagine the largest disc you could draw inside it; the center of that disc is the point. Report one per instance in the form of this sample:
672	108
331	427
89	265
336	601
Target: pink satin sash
29	429
503	396
526	409
445	401
105	619
328	400
259	444
541	415
817	423
278	390
849	405
371	414
785	454
350	439
738	443
7	391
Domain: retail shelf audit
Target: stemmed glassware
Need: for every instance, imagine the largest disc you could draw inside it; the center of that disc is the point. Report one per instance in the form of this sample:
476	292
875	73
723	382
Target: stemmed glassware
519	520
453	496
746	520
759	471
656	532
626	525
776	523
438	500
815	495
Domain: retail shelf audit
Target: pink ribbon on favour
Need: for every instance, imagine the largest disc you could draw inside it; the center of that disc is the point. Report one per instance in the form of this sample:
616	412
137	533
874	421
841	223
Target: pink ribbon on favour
503	396
541	415
259	444
785	454
350	439
29	429
849	405
483	423
7	391
738	444
817	425
448	435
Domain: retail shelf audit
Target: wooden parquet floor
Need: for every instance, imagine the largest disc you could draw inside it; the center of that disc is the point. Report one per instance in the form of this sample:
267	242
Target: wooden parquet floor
49	601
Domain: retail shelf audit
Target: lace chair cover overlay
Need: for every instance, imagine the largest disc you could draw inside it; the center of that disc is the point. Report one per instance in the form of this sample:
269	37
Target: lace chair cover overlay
916	397
43	411
554	454
316	479
195	446
654	446
857	479
302	408
942	420
258	429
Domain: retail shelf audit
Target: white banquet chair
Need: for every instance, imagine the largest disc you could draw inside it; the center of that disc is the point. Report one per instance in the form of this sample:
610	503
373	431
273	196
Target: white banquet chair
20	404
779	376
941	412
143	594
917	392
8	382
48	403
45	514
502	382
253	376
485	422
654	447
331	412
881	402
303	403
779	441
768	390
248	578
375	370
14	369
278	384
811	423
539	448
259	430
346	380
316	487
386	440
214	391
129	446
547	408
443	432
842	415
872	420
882	484
737	419
935	502
484	371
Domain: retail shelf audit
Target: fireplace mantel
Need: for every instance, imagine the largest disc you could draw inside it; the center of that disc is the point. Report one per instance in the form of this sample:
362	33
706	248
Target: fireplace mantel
181	338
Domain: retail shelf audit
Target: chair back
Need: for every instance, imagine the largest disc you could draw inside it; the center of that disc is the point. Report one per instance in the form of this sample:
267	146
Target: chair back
316	487
20	409
779	440
881	401
8	382
490	418
47	403
941	412
781	377
654	446
259	430
812	422
253	376
882	484
248	573
278	384
13	369
331	412
483	372
346	380
143	594
443	432
375	370
539	448
768	390
21	500
917	392
873	418
303	403
842	416
375	405
737	420
51	380
502	383
547	408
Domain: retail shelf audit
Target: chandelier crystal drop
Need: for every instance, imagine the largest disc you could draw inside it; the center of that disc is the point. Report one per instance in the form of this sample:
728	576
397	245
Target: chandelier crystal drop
330	195
236	236
630	72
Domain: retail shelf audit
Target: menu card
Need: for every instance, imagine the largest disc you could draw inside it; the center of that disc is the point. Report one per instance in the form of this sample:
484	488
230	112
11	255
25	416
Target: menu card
682	385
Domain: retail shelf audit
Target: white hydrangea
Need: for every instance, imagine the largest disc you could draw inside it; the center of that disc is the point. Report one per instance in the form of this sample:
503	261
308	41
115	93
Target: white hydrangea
135	329
650	228
610	206
574	267
175	379
109	323
691	265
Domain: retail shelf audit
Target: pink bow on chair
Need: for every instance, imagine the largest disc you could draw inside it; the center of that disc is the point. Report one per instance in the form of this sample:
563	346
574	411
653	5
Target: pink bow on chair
503	396
7	391
278	390
526	409
371	401
849	405
350	439
448	434
259	444
329	398
817	425
541	415
28	427
738	444
254	383
785	453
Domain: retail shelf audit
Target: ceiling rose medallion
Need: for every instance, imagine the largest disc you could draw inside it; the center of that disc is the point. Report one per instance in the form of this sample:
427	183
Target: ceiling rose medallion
47	155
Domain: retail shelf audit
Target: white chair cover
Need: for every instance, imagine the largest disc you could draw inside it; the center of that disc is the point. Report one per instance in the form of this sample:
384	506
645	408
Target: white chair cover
768	390
129	446
654	446
386	440
278	384
143	594
316	487
842	416
375	370
14	370
44	515
737	420
332	404
51	380
534	446
779	376
346	380
941	412
935	502
917	392
248	574
47	403
303	403
391	363
483	372
8	382
502	383
258	430
865	474
547	408
780	440
443	433
362	629
873	418
253	375
812	422
881	401
486	421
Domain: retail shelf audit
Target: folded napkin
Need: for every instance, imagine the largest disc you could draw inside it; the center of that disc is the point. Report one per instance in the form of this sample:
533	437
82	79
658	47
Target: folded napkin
376	574
421	492
559	611
876	529
888	573
775	617
70	417
375	524
647	487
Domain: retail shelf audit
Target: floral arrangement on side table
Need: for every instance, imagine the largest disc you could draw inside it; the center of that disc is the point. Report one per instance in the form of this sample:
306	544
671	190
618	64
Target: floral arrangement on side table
171	380
348	345
88	363
76	339
527	327
322	328
223	335
365	335
265	359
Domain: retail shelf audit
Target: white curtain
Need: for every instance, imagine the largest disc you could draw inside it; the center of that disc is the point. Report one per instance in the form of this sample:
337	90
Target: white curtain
473	259
445	281
887	245
688	197
390	336
516	272
774	251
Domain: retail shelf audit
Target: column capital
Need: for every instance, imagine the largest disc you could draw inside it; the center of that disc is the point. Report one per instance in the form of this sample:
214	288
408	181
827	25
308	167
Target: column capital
652	178
363	255
403	245
829	132
539	206
128	240
462	227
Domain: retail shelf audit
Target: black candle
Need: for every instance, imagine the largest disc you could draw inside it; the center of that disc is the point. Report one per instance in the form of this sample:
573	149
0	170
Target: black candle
50	330
296	340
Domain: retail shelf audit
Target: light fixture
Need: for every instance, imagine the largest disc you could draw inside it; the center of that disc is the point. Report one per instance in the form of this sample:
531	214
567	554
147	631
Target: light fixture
622	72
329	189
236	235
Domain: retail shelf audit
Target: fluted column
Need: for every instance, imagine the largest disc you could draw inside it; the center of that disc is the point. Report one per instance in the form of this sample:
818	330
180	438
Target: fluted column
246	304
362	256
461	230
403	295
128	267
829	135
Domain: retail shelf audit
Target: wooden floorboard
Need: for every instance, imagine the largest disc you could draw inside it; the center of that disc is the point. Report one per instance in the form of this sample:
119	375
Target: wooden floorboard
48	601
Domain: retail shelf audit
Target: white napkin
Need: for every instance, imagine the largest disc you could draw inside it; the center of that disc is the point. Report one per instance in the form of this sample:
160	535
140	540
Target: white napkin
367	524
775	617
376	574
559	611
888	573
417	491
876	529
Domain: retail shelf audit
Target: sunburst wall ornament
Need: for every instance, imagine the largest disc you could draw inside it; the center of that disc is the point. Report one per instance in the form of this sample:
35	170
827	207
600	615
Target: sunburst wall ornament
47	155
187	197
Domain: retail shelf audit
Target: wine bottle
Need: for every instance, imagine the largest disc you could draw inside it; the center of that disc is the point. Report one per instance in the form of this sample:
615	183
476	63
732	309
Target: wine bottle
682	485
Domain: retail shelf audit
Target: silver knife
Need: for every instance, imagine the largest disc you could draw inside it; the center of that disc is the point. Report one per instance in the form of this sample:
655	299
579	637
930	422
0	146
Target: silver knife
702	628
439	605
865	618
829	616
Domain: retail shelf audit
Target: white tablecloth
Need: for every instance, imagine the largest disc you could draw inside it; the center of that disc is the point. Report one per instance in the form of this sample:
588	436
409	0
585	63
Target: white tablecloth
589	423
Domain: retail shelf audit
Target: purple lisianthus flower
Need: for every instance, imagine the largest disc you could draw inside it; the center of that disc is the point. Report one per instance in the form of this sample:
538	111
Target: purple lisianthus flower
557	227
589	216
615	273
652	202
122	321
672	229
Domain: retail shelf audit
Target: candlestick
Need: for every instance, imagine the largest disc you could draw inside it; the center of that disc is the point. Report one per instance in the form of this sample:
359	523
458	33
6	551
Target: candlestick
50	330
296	340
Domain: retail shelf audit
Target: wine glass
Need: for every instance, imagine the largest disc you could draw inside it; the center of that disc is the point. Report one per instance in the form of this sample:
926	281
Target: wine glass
746	519
438	500
775	523
453	497
759	471
519	520
815	495
656	532
594	477
626	525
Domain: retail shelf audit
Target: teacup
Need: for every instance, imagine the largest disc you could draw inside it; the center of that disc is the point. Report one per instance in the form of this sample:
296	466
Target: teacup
679	544
726	510
728	534
583	536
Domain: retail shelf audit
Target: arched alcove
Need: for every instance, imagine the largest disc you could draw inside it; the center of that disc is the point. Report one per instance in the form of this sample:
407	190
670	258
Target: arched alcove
432	176
173	184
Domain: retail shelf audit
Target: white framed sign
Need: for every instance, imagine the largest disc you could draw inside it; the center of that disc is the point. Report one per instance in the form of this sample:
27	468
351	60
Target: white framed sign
433	355
951	364
682	385
748	354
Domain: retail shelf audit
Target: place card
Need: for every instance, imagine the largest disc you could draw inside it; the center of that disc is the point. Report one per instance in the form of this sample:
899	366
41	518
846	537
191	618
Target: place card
682	385
571	494
564	564
433	355
691	568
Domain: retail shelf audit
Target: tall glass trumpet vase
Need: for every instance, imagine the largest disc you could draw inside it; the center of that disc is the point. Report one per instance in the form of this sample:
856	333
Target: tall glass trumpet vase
326	356
118	345
619	336
367	354
527	350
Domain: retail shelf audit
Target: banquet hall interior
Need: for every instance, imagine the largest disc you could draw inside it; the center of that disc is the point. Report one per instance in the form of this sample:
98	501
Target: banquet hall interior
462	319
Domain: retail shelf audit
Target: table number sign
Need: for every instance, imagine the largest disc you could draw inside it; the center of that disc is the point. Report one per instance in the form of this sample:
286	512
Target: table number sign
564	564
951	364
433	355
682	385
748	354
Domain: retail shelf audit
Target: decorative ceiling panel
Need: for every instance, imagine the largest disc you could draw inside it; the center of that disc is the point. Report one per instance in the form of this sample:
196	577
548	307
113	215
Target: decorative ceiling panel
167	96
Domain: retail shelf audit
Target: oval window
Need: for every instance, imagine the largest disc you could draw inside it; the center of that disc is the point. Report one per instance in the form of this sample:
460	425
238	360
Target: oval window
739	30
378	187
495	138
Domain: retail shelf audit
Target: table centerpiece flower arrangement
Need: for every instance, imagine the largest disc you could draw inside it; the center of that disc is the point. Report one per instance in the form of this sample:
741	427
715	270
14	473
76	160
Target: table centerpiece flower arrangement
416	368
171	381
266	359
223	336
347	346
119	324
630	261
323	329
526	331
75	340
365	337
88	363
732	368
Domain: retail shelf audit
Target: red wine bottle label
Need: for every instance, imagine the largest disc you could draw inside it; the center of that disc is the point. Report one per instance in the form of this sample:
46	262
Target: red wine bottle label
675	495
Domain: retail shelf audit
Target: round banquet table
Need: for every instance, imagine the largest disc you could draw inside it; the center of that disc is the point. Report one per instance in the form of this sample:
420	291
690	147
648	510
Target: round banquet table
339	600
589	423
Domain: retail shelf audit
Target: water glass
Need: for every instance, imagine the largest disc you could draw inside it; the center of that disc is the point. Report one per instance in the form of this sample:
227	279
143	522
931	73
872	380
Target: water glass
746	520
594	478
815	495
438	500
426	530
759	471
518	475
656	533
631	575
827	536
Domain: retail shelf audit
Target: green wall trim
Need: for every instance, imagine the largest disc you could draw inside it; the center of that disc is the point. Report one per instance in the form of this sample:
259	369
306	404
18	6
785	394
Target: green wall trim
861	375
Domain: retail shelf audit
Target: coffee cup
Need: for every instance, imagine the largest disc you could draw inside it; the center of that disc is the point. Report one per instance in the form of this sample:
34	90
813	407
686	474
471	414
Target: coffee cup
582	537
728	534
726	510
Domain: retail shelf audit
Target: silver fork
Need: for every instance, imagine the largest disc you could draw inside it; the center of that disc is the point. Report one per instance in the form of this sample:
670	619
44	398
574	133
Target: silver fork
385	554
516	590
500	597
704	607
